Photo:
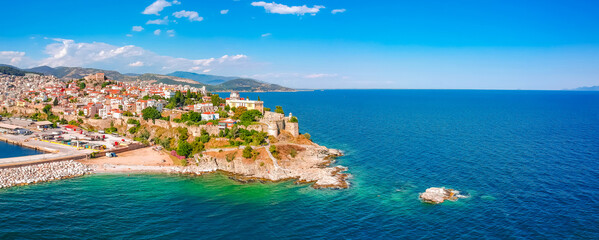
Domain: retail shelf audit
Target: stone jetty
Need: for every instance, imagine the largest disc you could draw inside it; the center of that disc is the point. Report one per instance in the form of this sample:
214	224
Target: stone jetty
43	172
437	195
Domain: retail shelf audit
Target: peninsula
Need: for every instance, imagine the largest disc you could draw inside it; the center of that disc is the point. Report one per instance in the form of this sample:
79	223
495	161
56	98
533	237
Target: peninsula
96	125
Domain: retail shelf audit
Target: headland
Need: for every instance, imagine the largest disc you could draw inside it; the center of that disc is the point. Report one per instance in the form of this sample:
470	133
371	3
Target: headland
95	125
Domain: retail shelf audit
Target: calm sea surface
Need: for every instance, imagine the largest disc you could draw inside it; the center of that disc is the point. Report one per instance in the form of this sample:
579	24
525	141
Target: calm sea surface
528	159
9	150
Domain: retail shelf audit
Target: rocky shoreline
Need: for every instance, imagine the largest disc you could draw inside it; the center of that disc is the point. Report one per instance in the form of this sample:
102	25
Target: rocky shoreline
312	166
43	172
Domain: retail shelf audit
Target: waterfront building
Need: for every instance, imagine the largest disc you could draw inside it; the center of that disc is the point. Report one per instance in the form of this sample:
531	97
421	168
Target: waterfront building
234	101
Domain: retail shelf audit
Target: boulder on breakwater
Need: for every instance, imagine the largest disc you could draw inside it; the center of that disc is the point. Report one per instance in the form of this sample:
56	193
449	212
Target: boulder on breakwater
43	172
437	195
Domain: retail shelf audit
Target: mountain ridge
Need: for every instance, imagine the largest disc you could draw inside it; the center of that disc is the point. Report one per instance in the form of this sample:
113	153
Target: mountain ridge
591	88
211	82
202	78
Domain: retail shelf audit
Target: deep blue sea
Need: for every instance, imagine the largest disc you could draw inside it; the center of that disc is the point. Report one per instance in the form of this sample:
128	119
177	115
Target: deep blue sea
9	150
529	160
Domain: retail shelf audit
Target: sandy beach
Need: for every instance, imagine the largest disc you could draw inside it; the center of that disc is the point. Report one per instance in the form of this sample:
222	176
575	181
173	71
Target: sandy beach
139	160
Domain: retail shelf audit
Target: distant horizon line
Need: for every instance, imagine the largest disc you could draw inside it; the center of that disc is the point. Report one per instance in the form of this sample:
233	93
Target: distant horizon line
578	89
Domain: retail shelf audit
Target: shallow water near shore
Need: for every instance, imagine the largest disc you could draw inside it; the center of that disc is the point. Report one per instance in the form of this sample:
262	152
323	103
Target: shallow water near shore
528	160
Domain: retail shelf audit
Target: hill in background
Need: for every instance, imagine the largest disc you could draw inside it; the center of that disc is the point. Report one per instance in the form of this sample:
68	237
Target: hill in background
212	82
593	88
202	78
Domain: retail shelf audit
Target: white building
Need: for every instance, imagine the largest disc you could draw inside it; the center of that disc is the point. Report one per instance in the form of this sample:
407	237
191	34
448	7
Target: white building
207	116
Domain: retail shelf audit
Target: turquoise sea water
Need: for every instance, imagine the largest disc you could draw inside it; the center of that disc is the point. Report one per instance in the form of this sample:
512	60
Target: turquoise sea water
528	159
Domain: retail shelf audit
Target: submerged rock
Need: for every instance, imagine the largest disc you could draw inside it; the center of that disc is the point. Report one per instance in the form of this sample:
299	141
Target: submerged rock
437	195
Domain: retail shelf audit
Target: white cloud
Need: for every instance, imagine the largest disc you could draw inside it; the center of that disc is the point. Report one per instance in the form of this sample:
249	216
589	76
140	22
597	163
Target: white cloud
191	15
171	33
137	28
225	11
321	75
266	35
207	70
11	57
284	9
66	52
157	6
136	64
157	32
335	11
129	35
163	21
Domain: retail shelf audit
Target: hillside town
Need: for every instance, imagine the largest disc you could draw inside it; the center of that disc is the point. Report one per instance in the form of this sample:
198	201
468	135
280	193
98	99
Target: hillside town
110	125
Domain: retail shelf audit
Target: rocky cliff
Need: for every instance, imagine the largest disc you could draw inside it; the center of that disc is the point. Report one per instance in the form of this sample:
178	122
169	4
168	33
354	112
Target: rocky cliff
311	164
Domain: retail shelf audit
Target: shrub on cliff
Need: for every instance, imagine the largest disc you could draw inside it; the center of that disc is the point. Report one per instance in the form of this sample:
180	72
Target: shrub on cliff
307	136
183	134
293	153
132	121
279	109
273	151
248	152
293	119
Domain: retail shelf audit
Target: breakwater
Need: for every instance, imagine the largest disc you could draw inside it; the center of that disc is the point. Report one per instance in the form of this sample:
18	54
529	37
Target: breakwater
43	172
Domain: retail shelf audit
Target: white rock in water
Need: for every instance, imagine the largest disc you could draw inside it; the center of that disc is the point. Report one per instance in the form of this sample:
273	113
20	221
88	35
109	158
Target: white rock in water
437	195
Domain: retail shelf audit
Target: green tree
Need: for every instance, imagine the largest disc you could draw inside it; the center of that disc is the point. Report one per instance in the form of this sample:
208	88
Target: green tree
184	148
150	113
293	119
47	109
204	136
238	112
81	85
171	105
197	146
250	116
55	102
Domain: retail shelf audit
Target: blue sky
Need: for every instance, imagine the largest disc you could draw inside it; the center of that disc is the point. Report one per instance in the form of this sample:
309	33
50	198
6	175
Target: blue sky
303	44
